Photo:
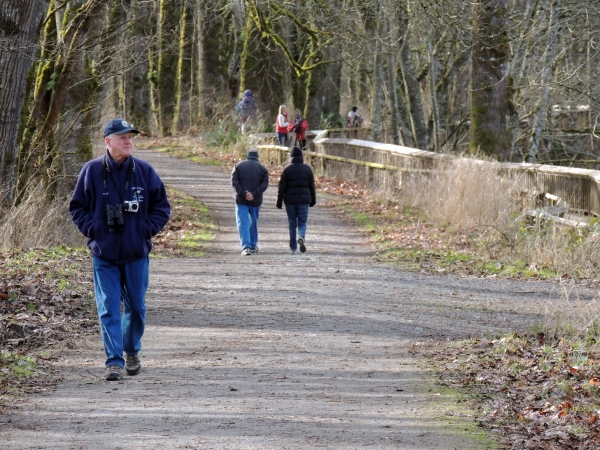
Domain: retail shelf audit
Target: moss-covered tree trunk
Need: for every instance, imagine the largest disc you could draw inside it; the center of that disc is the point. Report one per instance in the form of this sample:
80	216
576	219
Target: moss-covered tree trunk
136	86
61	102
213	60
19	22
166	63
490	107
181	72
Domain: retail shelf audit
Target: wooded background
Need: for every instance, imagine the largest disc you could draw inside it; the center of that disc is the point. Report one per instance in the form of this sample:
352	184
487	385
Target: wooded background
513	79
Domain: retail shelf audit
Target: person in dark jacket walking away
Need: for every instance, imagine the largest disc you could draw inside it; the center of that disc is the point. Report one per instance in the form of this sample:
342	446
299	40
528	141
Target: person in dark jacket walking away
297	191
118	204
250	179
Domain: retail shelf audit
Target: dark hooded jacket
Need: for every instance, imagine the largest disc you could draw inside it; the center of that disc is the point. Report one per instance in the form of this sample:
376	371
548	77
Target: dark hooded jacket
247	106
297	183
88	208
249	175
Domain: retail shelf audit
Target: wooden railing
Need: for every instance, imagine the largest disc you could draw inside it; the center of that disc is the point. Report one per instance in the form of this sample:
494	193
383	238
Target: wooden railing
384	166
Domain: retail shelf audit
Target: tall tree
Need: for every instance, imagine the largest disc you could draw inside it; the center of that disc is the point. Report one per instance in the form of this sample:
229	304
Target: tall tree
490	103
19	23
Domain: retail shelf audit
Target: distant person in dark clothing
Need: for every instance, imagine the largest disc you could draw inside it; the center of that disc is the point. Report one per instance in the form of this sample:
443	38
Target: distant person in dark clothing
297	191
354	120
299	126
246	108
249	179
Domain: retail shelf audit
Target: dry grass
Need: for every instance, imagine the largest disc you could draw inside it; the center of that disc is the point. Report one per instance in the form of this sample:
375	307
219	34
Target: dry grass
573	319
38	223
469	193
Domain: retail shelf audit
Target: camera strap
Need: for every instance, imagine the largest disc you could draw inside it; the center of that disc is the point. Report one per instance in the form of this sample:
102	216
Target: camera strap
106	169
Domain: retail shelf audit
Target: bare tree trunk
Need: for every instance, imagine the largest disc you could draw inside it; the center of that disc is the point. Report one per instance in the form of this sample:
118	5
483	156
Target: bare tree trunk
542	106
412	89
434	97
314	102
137	88
397	121
490	108
20	20
378	99
166	61
213	64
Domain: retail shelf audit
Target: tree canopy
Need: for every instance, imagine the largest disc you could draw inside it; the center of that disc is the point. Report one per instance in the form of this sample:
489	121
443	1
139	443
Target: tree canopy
513	79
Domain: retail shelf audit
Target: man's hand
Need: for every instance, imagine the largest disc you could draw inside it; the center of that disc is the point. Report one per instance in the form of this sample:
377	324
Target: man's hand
249	196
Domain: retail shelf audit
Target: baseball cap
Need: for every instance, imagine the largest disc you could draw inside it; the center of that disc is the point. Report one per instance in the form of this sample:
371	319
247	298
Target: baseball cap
118	126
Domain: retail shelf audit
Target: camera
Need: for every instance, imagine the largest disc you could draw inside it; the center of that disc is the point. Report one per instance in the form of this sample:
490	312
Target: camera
131	206
114	215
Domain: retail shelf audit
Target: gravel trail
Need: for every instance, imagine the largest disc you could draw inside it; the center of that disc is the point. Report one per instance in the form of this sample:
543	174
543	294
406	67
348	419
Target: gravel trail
277	351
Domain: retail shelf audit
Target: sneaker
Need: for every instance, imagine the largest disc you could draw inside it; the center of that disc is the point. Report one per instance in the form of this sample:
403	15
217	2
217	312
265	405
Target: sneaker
301	244
114	373
246	252
254	250
132	364
293	252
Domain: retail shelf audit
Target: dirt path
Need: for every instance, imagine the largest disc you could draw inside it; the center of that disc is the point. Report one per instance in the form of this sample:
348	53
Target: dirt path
277	351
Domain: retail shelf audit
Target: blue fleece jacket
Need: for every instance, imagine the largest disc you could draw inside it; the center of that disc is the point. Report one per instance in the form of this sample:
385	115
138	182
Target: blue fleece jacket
88	208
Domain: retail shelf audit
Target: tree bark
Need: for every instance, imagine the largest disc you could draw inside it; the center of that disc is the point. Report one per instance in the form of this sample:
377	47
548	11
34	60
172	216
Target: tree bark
490	107
412	89
180	74
213	62
434	98
378	99
542	106
19	23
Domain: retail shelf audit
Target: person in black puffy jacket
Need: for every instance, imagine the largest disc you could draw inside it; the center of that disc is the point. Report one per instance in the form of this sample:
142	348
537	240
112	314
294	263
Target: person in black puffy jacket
297	191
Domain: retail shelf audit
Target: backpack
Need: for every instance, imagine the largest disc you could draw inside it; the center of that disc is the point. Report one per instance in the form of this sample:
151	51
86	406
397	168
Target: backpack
354	122
298	127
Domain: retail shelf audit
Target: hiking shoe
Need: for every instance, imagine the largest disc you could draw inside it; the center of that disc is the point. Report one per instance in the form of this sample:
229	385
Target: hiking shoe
132	364
301	244
246	252
114	373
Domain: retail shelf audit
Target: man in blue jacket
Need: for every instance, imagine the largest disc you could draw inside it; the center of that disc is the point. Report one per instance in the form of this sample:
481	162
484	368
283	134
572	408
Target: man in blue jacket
249	179
119	203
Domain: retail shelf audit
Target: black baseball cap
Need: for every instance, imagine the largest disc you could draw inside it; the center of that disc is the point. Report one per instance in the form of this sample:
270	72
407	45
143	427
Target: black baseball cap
118	126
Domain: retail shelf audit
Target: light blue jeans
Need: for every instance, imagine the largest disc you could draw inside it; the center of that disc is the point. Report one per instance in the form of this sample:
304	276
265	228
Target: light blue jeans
297	217
116	283
247	225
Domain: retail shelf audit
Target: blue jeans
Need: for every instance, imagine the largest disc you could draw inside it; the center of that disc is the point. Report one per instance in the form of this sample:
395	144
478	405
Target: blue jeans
282	138
297	216
247	225
116	283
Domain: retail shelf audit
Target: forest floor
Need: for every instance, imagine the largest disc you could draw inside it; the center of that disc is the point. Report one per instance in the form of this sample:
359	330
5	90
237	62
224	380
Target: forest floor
326	349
